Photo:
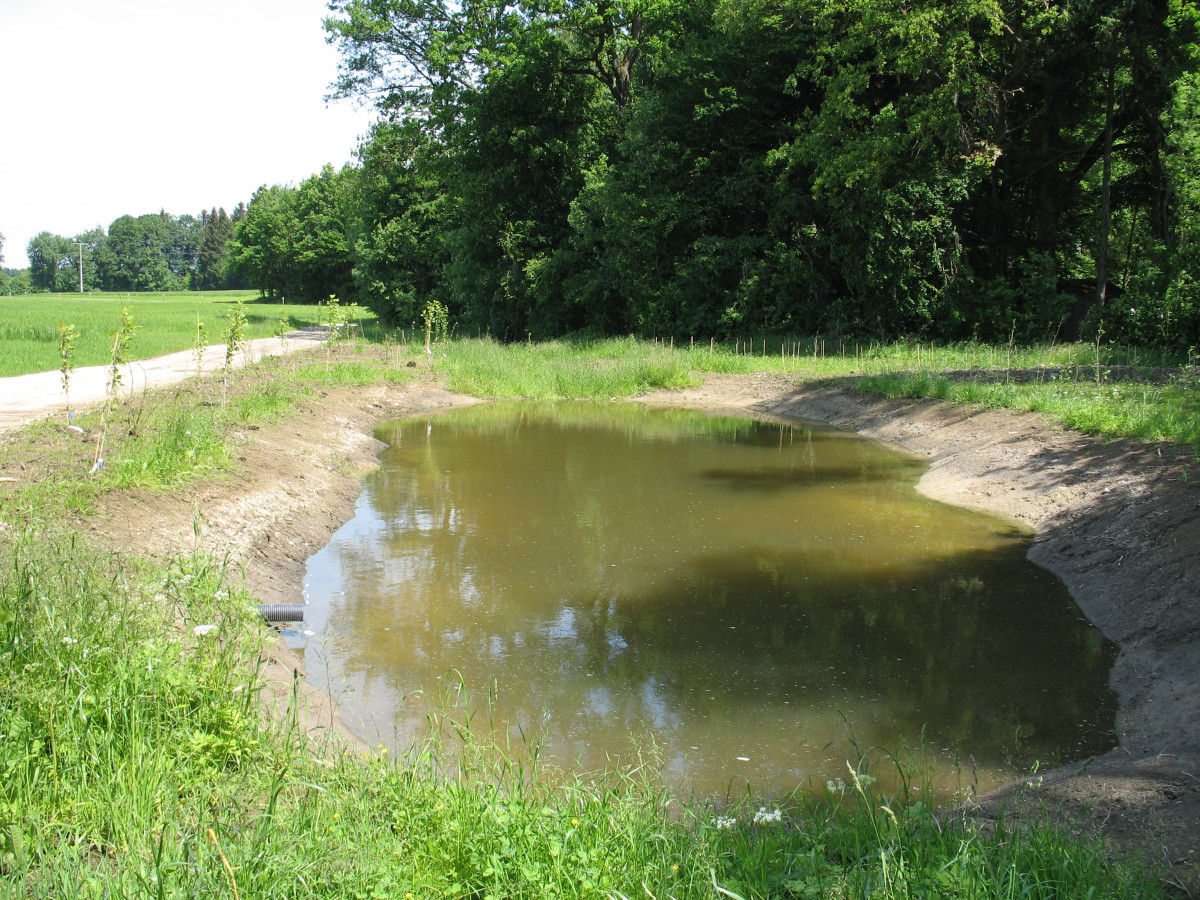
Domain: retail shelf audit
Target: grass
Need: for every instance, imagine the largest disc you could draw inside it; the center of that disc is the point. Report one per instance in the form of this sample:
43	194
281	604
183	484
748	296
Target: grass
136	764
562	370
1108	390
165	440
136	760
166	324
1164	411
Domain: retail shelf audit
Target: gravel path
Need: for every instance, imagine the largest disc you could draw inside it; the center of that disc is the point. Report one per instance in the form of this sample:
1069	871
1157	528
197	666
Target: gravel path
24	398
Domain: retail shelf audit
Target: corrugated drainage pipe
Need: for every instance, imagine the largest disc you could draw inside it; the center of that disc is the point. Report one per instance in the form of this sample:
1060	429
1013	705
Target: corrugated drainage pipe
282	612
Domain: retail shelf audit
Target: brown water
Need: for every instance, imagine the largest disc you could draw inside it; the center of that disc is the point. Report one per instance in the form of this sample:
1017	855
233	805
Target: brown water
748	595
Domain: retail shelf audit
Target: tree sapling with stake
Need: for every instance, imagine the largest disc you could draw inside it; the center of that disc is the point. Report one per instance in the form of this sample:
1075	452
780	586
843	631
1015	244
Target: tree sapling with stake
436	319
199	347
337	318
67	335
122	338
235	332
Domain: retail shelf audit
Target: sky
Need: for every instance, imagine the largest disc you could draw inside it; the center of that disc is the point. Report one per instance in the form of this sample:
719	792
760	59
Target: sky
128	107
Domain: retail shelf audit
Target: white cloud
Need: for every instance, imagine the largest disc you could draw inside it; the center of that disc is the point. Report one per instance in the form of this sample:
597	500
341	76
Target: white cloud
131	106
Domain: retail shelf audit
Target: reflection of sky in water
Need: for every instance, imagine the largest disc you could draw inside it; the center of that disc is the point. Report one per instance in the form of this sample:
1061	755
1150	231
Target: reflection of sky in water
726	588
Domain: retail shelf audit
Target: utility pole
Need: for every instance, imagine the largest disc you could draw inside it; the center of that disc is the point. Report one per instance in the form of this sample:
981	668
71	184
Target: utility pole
80	243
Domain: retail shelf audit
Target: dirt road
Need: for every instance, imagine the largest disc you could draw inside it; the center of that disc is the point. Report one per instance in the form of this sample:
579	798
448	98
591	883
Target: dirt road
24	398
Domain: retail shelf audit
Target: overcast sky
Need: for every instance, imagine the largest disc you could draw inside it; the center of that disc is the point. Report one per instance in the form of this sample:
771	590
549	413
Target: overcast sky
126	107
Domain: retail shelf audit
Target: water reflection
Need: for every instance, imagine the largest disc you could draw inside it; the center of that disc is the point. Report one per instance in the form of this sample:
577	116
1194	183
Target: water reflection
737	589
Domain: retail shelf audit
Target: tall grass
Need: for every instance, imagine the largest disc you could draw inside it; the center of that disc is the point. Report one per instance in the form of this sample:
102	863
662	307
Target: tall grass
618	367
1165	411
164	440
136	763
1104	390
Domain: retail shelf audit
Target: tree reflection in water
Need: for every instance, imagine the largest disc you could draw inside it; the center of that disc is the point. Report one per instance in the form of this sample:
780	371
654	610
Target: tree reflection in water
725	586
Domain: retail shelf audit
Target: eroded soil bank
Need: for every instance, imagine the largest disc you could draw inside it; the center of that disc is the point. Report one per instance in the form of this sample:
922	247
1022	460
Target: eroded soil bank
1115	521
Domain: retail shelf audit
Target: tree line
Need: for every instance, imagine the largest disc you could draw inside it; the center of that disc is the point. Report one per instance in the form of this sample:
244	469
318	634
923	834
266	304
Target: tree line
973	168
153	252
947	169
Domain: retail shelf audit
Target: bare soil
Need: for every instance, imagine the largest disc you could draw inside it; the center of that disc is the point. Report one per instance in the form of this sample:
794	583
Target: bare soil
1116	521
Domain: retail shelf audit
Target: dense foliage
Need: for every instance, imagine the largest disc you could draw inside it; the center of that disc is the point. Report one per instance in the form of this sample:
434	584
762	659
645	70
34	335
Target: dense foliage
732	166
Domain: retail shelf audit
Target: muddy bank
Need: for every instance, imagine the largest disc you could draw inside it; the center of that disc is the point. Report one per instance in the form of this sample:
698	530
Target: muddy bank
1114	521
1120	526
296	484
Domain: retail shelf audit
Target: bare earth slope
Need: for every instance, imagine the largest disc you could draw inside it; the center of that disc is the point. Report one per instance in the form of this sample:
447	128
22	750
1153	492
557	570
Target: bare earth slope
1114	521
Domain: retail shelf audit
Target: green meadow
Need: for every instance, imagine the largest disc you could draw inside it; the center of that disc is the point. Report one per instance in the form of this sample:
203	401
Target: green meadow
166	323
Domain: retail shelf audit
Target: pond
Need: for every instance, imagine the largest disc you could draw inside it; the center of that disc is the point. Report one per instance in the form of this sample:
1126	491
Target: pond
758	600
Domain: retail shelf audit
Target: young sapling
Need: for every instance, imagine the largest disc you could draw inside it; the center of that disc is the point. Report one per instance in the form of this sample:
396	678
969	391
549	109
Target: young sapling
122	338
235	333
67	335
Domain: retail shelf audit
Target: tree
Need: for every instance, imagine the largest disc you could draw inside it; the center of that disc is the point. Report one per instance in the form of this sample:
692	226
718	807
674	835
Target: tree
293	242
153	252
525	141
93	242
51	262
262	247
216	228
425	57
673	230
183	236
874	167
1079	90
398	234
15	281
323	266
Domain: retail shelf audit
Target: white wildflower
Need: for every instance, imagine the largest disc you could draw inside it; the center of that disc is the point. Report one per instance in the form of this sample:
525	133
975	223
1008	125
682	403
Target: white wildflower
202	630
765	816
69	640
724	823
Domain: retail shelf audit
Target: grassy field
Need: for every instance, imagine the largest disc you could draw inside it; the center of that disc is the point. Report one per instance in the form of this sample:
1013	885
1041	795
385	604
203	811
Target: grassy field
166	323
1103	389
136	763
